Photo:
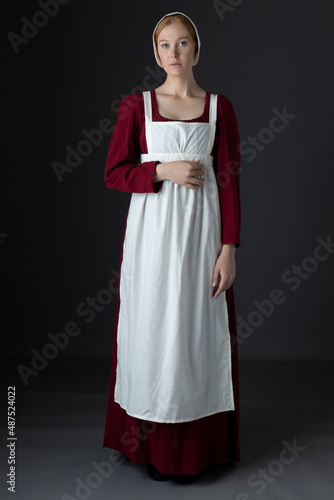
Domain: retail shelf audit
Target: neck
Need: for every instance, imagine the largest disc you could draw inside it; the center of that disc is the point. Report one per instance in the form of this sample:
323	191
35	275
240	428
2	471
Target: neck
181	87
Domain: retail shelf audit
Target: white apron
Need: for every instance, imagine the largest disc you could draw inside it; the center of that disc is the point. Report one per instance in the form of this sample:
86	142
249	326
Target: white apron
173	340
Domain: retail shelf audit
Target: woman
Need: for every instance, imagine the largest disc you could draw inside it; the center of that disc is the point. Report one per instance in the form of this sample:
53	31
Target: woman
174	397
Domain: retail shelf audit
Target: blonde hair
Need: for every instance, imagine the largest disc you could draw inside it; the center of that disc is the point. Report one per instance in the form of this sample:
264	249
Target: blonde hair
172	19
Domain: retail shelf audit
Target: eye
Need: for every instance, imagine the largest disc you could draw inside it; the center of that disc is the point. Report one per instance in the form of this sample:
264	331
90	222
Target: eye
184	42
163	45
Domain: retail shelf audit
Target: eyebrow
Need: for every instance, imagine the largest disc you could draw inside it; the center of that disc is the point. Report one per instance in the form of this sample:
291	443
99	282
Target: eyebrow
164	40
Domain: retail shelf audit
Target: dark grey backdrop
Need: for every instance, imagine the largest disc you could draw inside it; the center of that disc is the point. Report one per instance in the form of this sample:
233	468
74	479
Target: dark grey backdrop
61	241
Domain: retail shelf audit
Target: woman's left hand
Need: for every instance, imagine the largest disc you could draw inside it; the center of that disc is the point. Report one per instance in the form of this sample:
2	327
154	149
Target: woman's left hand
224	271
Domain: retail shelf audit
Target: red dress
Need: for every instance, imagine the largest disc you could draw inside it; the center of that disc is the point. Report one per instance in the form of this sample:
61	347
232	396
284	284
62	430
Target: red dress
187	447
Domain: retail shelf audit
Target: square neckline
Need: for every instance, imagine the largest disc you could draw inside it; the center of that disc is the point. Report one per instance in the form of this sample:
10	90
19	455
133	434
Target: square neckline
164	118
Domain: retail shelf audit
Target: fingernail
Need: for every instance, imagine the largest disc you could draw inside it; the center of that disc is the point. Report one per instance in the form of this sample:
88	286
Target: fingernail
213	284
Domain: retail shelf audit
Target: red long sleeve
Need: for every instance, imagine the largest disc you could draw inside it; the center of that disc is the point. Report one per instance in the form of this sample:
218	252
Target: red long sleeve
122	170
227	168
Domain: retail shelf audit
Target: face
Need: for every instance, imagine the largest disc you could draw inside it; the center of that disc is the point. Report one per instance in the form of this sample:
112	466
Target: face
176	48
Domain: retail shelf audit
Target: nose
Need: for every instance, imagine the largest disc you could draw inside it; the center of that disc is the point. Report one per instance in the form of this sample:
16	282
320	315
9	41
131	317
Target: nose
175	51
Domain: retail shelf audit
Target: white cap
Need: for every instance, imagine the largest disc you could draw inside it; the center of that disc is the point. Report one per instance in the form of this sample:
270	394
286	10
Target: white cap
197	35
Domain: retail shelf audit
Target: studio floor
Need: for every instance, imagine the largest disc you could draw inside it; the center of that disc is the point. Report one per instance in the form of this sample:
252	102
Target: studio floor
286	437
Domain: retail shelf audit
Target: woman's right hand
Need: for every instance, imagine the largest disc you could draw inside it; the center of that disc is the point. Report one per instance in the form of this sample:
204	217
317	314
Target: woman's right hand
180	172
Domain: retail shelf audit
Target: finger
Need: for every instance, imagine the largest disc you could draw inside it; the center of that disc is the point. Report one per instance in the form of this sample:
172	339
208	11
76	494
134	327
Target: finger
195	164
228	284
197	177
218	292
215	277
197	168
221	288
196	181
189	185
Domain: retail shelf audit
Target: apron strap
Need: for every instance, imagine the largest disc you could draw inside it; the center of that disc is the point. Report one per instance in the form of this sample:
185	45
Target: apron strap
148	119
212	121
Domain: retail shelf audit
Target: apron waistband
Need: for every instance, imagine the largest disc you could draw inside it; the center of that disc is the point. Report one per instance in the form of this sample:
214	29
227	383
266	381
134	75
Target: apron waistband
165	157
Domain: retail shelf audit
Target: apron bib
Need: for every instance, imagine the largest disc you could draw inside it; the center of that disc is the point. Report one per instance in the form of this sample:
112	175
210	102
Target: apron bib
173	340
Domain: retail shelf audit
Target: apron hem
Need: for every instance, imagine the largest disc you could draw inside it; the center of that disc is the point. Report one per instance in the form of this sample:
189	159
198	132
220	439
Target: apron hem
177	421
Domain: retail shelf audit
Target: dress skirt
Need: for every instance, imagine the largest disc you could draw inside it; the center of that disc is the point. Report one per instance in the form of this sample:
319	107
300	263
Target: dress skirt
176	448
